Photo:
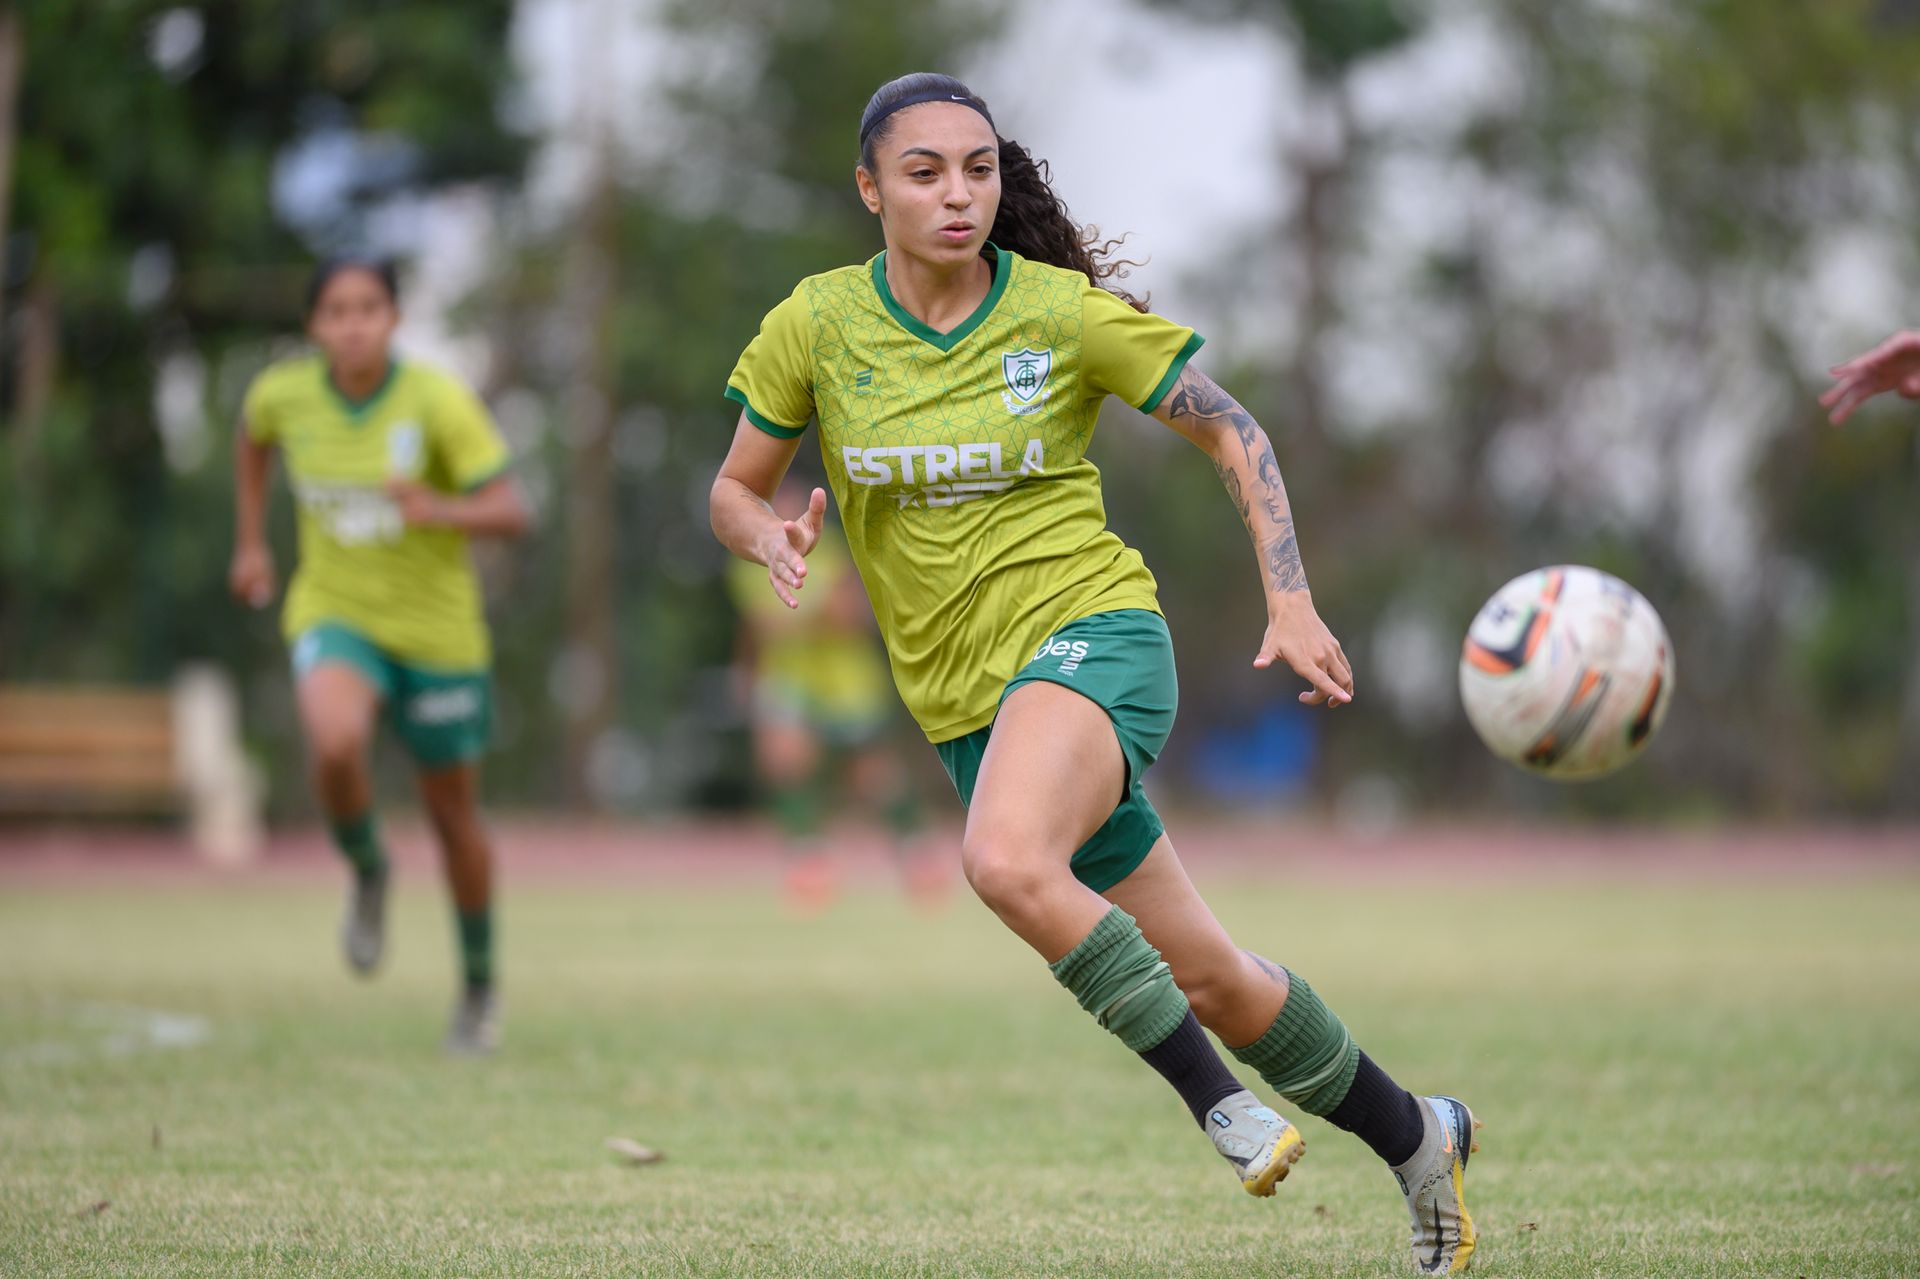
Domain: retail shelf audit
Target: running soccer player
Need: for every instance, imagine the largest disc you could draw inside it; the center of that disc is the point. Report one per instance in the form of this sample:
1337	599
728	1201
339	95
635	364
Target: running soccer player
957	377
821	708
1894	365
394	466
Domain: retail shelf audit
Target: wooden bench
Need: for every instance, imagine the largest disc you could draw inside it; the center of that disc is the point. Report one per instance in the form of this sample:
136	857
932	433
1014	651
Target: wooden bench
90	751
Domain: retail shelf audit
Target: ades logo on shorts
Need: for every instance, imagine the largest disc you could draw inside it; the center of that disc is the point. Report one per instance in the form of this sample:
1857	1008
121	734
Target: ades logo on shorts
444	706
1075	651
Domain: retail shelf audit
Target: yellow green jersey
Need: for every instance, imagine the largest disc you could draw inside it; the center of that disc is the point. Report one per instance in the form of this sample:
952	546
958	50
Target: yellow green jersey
958	461
412	591
816	653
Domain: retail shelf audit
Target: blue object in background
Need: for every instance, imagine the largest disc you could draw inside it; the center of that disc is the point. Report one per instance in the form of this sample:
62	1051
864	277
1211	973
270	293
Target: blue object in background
1268	759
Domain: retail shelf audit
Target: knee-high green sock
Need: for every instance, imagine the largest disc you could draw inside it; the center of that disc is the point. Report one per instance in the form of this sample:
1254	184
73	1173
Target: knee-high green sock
359	843
1119	977
797	810
1306	1056
476	945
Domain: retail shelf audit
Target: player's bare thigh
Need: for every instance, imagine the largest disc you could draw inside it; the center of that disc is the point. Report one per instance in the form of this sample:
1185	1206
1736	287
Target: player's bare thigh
1050	778
339	708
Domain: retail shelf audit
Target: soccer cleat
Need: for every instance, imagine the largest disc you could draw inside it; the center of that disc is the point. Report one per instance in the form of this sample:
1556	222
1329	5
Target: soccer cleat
1261	1146
363	935
476	1024
1432	1181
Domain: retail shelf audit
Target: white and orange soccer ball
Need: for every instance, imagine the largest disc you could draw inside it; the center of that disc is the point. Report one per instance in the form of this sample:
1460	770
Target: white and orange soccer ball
1566	672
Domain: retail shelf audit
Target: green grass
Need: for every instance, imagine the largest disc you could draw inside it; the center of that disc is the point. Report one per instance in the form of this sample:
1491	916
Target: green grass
1694	1080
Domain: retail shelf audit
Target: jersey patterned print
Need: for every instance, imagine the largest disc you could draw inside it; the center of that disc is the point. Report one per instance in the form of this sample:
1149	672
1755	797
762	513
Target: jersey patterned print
411	591
958	461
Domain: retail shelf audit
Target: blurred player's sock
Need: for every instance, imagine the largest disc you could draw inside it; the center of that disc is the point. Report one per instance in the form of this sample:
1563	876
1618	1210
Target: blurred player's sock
797	810
1308	1057
359	843
476	946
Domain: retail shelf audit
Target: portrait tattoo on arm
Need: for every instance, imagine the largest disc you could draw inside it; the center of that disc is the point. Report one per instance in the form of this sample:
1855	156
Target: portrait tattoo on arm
1198	399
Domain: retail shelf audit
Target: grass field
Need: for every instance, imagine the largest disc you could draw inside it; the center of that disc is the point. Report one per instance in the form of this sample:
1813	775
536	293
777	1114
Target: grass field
1688	1079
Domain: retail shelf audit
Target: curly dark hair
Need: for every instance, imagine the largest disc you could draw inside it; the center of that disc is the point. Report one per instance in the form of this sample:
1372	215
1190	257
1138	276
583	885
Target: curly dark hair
1032	221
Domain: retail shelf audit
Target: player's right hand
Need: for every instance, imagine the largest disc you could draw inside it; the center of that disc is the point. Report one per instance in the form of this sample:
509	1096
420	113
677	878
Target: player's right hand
787	560
250	577
1894	365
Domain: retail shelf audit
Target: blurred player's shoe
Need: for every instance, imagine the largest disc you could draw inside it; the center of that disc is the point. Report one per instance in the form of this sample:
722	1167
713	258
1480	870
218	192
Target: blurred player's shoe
1261	1146
476	1023
1432	1181
364	933
813	881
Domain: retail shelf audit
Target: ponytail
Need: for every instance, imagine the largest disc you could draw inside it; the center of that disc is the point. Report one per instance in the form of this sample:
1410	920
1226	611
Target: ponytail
1033	222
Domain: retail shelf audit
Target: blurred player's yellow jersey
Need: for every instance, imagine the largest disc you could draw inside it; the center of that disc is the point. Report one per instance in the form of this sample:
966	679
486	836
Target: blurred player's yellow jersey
959	461
412	591
817	653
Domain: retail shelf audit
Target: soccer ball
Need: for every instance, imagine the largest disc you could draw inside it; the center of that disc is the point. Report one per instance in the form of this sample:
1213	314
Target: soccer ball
1566	672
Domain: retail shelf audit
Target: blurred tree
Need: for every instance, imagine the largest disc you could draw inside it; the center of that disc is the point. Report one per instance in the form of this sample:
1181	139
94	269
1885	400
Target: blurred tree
175	167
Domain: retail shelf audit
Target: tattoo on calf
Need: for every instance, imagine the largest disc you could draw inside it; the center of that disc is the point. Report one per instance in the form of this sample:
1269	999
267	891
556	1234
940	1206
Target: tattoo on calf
1268	967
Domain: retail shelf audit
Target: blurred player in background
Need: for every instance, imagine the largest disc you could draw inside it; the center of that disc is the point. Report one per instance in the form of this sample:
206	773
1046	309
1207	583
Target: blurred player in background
1894	365
957	378
393	466
821	703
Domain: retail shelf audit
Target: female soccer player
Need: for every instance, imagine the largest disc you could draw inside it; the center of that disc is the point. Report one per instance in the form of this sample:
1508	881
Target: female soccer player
822	711
393	466
957	377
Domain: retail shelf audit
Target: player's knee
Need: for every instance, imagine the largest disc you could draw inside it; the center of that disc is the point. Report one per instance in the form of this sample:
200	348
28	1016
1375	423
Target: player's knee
1003	873
339	748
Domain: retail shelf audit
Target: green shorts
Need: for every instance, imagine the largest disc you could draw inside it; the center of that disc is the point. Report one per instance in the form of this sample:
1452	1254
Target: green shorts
443	717
1123	662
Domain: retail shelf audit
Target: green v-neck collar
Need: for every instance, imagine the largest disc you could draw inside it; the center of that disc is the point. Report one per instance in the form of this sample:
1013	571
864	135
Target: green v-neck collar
1002	271
358	409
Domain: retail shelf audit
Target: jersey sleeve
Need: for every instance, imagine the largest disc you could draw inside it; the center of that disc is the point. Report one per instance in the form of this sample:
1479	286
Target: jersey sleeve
1132	354
773	382
260	410
462	432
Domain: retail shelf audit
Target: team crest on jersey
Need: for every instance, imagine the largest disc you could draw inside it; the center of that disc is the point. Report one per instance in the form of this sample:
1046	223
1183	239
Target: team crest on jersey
1026	374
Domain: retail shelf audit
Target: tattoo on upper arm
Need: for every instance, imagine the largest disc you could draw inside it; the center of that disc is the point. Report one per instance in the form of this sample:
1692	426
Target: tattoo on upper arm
1198	398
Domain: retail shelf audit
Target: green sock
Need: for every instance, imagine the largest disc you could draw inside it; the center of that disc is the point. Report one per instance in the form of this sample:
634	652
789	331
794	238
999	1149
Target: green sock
902	813
1119	977
796	810
359	843
1306	1056
476	945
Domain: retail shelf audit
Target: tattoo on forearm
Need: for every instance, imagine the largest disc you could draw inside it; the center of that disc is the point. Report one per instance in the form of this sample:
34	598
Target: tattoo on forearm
1281	556
1231	479
1198	398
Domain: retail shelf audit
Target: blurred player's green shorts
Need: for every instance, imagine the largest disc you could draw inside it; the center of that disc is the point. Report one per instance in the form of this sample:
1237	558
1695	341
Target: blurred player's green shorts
1123	662
443	717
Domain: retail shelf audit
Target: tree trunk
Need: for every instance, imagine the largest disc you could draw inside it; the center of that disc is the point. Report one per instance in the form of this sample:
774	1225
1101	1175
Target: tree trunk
591	699
12	58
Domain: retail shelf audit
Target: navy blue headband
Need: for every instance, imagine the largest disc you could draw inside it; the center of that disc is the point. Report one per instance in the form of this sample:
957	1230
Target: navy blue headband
914	100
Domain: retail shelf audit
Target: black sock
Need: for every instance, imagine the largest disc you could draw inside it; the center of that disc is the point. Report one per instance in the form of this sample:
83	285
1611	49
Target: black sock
1186	1060
1380	1113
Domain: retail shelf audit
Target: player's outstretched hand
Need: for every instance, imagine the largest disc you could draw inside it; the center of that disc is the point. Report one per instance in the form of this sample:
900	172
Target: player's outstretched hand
250	576
787	561
1297	636
1894	365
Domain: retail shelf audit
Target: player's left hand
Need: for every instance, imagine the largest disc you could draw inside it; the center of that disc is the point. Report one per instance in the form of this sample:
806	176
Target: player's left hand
1894	365
1297	636
419	505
